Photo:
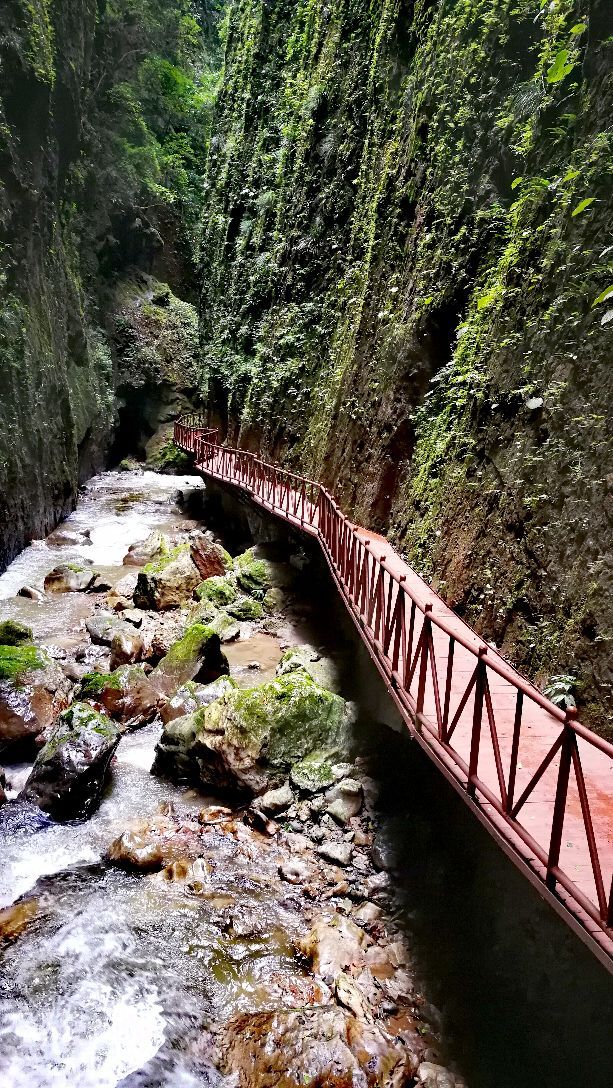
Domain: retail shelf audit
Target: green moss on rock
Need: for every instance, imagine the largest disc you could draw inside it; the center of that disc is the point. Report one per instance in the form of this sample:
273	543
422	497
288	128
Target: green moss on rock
94	684
220	590
253	575
13	633
15	661
246	608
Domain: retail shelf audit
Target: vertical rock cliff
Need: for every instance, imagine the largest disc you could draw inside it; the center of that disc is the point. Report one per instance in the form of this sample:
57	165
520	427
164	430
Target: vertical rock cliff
408	290
104	115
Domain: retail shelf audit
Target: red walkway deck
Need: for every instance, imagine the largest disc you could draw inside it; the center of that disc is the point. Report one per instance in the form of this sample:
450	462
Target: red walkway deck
539	781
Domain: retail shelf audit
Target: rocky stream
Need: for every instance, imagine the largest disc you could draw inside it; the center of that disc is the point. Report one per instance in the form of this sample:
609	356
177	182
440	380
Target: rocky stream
197	886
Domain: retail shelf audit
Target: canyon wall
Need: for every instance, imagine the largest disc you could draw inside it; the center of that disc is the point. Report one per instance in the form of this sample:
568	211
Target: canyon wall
406	269
104	117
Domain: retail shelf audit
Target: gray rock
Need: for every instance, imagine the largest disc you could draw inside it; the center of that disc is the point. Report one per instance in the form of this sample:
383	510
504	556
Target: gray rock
70	578
344	800
339	853
133	616
435	1076
103	626
169	583
296	871
274	801
313	773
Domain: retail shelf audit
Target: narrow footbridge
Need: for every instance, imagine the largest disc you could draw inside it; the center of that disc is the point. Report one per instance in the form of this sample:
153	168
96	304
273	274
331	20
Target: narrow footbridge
536	778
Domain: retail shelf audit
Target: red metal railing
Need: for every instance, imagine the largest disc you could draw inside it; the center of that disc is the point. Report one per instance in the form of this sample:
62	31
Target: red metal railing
534	775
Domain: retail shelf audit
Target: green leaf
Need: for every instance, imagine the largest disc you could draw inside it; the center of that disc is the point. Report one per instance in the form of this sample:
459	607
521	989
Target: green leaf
560	67
516	182
571	174
489	297
607	318
607	293
583	204
578	28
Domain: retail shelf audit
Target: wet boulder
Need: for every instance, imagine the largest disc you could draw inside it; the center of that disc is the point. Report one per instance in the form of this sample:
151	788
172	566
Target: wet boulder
195	656
69	774
174	753
167	583
136	850
103	626
33	690
16	918
247	740
245	608
126	648
254	574
323	1045
323	670
313	773
69	538
144	551
191	696
219	590
127	695
333	946
31	593
70	578
210	558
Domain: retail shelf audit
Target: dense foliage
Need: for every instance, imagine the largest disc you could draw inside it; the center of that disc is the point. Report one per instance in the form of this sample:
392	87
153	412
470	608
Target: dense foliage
406	274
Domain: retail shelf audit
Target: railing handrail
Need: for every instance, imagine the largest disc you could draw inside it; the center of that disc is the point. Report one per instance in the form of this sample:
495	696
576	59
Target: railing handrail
361	570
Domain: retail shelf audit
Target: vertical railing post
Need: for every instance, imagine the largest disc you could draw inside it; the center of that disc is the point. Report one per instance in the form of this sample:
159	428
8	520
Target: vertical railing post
425	645
475	741
559	808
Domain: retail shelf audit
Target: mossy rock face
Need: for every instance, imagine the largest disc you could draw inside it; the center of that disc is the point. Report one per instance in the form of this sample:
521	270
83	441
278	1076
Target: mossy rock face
246	608
13	633
220	590
253	575
69	773
247	740
16	661
171	460
195	656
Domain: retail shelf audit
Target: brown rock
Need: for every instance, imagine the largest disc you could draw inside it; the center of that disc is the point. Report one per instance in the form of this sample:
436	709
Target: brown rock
324	1046
16	918
126	648
209	558
155	546
332	947
136	850
30	707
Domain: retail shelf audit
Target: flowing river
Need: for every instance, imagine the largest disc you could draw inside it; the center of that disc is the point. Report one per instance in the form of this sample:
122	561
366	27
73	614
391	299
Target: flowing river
119	974
122	978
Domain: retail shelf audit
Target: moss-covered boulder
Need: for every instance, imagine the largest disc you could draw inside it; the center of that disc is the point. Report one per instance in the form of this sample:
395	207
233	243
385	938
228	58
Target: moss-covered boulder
168	582
127	695
253	574
68	777
219	590
13	633
154	547
247	740
245	608
322	669
33	690
315	772
191	697
70	578
195	656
